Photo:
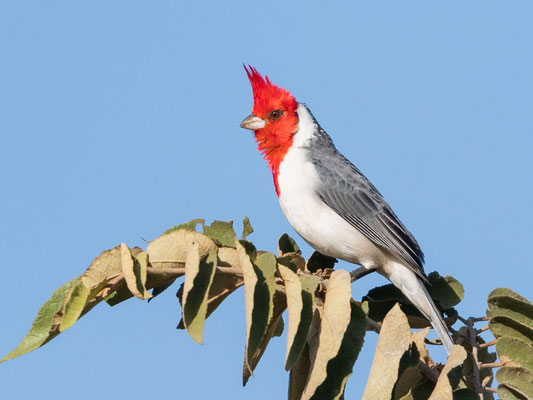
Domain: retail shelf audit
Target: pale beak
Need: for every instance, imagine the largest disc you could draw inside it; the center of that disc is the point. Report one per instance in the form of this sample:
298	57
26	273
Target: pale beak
253	122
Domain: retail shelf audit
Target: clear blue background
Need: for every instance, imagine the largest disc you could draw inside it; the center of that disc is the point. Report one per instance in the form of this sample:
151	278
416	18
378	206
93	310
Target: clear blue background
120	119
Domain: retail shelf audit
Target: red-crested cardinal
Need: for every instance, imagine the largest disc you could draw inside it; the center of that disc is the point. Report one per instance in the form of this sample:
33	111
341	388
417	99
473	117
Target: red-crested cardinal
329	202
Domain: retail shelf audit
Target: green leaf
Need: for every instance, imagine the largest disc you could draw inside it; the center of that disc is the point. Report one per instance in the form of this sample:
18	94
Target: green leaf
504	326
286	244
259	287
505	296
515	351
517	379
506	393
246	228
320	261
525	322
42	327
443	389
199	273
222	232
300	299
510	314
74	303
394	340
380	301
190	226
342	329
447	291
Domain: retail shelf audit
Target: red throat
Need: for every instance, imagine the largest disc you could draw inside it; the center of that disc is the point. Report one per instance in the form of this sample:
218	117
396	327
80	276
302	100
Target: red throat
276	138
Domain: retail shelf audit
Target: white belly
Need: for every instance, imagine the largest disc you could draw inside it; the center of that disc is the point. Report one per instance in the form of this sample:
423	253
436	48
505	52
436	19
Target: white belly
314	221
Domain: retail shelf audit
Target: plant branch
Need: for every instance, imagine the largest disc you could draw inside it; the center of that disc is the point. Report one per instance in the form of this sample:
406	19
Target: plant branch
372	325
472	333
361	272
491	365
491	343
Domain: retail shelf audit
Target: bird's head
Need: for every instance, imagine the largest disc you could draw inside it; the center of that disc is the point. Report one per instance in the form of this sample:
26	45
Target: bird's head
274	118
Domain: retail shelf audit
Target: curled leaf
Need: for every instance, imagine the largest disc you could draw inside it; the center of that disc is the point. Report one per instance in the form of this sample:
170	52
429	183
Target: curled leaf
134	271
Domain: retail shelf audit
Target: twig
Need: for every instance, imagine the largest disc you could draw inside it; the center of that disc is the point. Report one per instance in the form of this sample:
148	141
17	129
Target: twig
491	365
360	272
491	343
485	328
373	325
486	381
170	273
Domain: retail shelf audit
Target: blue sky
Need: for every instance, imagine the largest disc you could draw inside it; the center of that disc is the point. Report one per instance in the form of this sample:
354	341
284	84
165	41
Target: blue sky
120	119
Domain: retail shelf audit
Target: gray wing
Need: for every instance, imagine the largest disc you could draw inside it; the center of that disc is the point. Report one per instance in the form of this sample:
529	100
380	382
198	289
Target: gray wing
347	191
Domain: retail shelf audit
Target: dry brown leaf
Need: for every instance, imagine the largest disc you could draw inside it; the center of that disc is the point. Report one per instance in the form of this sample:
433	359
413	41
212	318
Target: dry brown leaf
393	341
335	319
105	266
250	279
443	389
293	289
228	257
170	250
132	281
418	339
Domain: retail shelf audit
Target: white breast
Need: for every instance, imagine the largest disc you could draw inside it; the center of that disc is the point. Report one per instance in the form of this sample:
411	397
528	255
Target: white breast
318	224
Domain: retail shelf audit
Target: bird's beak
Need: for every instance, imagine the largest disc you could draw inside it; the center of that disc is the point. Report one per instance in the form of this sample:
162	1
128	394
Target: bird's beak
253	122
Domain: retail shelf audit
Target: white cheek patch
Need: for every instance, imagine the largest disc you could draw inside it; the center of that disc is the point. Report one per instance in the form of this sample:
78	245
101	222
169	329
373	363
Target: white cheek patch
307	127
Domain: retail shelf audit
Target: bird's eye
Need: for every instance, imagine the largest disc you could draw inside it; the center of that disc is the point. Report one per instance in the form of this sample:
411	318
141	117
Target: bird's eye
274	115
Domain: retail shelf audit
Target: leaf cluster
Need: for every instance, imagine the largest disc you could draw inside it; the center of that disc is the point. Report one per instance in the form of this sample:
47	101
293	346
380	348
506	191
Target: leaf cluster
325	325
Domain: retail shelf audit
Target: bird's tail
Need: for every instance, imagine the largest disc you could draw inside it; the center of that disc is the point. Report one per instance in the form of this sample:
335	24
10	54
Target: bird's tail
413	288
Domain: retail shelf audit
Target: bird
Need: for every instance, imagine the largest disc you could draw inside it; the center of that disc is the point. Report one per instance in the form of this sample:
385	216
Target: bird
329	202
